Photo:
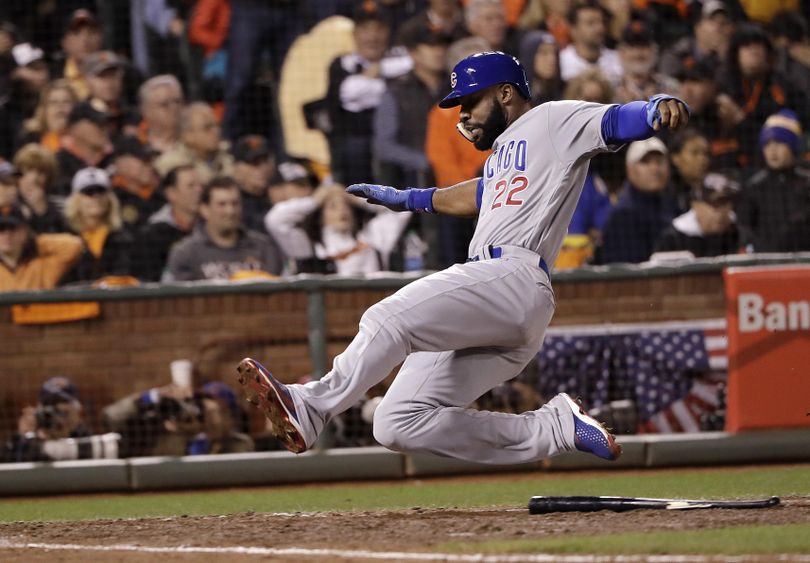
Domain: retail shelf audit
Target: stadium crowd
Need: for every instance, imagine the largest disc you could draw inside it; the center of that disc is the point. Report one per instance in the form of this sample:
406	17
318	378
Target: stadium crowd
160	141
147	141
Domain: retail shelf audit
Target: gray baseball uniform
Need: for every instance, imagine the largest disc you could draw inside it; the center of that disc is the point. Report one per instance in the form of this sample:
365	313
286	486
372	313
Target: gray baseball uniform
466	329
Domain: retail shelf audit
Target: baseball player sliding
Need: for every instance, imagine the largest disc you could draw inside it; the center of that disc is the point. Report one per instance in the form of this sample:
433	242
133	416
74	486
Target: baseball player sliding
466	329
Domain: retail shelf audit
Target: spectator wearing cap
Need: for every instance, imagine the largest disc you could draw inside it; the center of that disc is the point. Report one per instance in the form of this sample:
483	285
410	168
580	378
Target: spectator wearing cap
487	19
50	120
441	16
93	212
19	100
644	207
182	189
30	261
160	100
329	232
291	179
135	182
540	56
774	209
690	156
252	170
223	421
37	170
587	49
31	65
200	144
82	37
453	159
400	119
709	227
103	72
753	89
356	86
57	415
708	43
639	57
85	144
221	248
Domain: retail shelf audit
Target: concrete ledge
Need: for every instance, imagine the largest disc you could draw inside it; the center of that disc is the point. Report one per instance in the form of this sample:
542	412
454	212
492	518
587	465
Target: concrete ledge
425	465
718	448
268	468
82	476
346	464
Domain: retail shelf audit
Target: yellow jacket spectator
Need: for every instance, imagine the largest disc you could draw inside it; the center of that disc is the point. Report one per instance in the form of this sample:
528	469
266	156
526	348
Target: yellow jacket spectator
32	262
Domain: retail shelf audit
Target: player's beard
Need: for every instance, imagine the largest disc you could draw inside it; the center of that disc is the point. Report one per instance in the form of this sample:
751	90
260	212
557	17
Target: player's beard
493	126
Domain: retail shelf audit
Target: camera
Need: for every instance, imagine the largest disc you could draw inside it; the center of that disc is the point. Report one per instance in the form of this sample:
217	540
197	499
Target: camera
49	417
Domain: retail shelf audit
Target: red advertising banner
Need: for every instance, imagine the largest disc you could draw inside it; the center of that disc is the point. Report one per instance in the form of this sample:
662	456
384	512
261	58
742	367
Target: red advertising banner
768	324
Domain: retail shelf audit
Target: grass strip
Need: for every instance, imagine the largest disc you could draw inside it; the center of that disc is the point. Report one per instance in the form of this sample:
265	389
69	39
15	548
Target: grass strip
743	540
508	490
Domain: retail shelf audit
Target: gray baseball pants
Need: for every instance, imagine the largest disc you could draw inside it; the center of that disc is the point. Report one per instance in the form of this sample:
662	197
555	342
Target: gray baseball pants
460	332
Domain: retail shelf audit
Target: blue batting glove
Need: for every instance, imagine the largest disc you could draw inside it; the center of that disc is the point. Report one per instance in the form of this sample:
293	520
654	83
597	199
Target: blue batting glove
386	196
653	115
410	199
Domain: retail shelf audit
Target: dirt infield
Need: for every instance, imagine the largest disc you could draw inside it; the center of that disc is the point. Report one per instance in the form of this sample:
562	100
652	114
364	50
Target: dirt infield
414	530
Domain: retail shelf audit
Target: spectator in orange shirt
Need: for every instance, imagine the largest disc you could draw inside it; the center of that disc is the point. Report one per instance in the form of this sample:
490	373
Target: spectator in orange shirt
208	28
209	24
453	158
32	262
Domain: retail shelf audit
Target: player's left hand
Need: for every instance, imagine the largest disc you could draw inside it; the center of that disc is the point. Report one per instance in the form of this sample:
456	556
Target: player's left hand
667	112
386	196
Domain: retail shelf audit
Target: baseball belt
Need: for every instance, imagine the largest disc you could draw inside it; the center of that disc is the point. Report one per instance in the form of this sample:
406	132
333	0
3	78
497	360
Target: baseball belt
491	251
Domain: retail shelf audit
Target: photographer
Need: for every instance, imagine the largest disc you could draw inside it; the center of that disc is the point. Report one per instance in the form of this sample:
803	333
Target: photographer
162	421
54	429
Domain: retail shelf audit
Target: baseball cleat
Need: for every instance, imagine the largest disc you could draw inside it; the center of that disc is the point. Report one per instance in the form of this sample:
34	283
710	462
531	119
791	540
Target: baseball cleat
274	399
589	434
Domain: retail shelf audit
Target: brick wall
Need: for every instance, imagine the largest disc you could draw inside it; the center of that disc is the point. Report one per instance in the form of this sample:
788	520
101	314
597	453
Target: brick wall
130	346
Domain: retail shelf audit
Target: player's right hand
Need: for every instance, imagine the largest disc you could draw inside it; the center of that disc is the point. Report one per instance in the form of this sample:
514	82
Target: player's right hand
386	196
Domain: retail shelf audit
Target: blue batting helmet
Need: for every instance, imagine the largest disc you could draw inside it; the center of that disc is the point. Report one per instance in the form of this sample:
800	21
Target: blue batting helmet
483	70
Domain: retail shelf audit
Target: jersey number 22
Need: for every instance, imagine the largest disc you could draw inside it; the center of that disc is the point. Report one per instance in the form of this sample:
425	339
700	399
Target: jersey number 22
509	191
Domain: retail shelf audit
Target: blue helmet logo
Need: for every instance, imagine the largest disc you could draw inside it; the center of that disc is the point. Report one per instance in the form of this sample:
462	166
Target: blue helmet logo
483	70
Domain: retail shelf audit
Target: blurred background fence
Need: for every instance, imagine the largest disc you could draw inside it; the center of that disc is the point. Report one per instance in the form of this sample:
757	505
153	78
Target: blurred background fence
171	177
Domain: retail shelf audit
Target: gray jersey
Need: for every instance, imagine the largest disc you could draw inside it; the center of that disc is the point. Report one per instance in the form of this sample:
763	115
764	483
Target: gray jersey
534	177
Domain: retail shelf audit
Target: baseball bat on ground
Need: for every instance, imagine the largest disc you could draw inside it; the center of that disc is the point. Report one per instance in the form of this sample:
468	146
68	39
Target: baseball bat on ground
546	505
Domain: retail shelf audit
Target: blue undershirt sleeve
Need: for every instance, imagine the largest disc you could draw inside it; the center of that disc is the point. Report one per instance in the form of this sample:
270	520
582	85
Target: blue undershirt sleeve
479	193
626	123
